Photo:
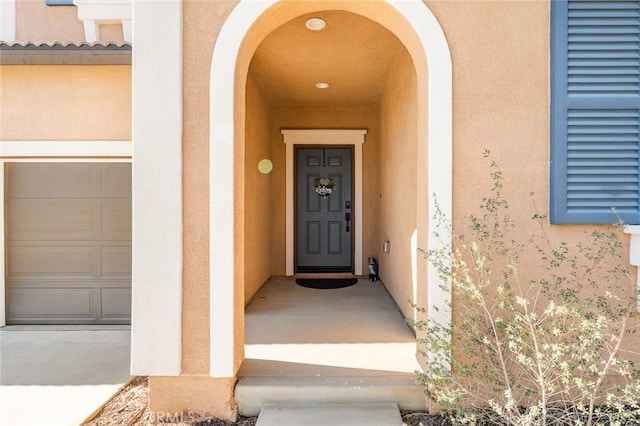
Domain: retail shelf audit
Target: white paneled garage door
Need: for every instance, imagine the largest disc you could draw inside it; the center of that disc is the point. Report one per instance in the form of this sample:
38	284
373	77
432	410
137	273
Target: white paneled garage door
68	243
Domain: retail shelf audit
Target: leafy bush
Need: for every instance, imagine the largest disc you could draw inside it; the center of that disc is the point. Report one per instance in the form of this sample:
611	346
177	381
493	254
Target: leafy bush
531	351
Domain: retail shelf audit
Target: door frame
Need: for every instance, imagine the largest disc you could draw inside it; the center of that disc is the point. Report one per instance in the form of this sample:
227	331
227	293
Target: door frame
295	199
344	137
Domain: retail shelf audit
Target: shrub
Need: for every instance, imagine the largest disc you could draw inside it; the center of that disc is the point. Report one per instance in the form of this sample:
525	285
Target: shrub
531	351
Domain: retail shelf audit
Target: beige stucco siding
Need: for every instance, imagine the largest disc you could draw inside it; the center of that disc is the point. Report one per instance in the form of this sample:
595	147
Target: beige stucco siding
258	193
500	55
397	176
501	102
500	58
108	33
65	102
37	22
202	23
194	394
194	389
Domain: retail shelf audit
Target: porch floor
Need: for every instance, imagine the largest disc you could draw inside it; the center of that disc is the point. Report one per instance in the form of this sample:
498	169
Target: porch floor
352	337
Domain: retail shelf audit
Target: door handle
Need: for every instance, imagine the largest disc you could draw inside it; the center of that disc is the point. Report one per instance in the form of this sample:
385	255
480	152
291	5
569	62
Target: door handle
347	218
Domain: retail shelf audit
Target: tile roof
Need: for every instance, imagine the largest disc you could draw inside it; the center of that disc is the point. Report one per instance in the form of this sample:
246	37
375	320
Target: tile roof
64	53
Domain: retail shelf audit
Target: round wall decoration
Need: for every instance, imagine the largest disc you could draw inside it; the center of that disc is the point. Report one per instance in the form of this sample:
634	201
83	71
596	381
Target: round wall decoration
265	166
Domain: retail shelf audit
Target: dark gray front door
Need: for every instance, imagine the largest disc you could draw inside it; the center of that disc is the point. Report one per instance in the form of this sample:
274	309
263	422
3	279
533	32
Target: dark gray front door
324	222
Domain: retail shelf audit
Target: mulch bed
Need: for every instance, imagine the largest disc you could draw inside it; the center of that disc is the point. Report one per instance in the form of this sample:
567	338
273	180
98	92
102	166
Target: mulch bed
130	407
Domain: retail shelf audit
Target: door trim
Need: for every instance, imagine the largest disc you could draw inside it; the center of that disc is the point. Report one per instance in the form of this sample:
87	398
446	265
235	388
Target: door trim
353	137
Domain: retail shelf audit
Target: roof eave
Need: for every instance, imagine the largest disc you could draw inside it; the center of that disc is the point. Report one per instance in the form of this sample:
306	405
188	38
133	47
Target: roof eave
59	54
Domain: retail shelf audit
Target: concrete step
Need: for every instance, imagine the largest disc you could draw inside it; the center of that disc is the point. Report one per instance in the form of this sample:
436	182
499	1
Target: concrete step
330	414
252	393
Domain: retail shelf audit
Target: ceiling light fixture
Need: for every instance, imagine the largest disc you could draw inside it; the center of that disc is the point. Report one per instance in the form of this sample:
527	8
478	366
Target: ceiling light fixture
322	85
315	24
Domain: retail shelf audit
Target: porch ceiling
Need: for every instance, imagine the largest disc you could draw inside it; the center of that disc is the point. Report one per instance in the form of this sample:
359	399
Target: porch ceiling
352	54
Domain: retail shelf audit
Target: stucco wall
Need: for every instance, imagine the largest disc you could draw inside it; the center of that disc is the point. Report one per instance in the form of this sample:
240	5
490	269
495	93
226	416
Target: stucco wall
258	192
344	116
169	396
500	58
202	22
37	22
110	33
500	55
65	102
501	86
396	194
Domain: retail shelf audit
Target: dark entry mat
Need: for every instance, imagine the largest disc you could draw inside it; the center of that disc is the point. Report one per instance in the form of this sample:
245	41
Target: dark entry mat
326	283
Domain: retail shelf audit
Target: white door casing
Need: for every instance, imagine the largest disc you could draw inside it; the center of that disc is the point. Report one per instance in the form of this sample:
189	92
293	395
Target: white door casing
354	138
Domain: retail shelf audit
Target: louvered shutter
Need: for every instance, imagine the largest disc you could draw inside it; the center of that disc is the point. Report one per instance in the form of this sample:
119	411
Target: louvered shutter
595	111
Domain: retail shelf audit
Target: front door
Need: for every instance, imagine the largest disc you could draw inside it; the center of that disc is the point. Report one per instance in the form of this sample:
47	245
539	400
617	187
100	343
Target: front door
323	210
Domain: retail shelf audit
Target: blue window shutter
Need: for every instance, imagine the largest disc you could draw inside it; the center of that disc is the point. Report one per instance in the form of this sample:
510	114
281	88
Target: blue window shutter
59	2
595	111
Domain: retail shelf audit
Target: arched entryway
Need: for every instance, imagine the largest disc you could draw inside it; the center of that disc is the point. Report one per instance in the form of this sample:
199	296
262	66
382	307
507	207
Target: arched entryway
249	23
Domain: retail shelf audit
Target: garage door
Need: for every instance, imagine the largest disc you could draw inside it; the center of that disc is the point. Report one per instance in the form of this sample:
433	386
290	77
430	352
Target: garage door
68	243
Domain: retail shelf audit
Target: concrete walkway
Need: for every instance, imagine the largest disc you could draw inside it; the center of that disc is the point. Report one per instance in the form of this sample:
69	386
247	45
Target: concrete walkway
308	346
331	414
59	375
354	331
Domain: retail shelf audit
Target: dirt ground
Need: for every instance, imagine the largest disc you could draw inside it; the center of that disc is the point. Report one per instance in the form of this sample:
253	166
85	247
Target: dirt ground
130	407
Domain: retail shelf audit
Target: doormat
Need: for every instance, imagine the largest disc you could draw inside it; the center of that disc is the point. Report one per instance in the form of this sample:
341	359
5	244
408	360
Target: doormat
326	283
